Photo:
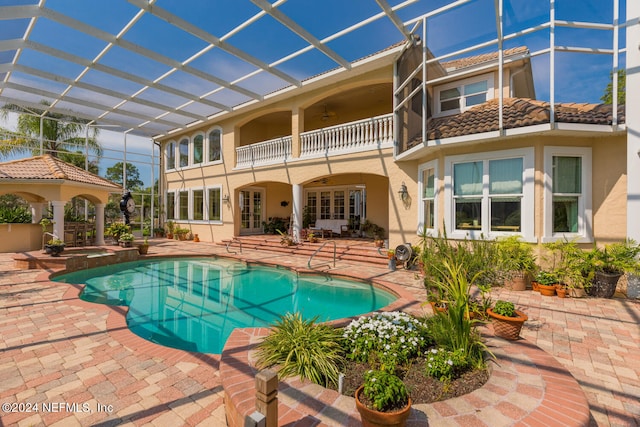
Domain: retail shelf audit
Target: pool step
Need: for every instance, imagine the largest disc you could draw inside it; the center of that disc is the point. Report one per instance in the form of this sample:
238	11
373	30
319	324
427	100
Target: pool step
352	250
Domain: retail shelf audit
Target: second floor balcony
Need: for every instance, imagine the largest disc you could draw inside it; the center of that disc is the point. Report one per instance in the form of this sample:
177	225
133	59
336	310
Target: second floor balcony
358	136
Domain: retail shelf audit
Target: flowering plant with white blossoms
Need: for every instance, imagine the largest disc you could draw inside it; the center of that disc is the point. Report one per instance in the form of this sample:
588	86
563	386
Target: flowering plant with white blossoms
392	337
444	364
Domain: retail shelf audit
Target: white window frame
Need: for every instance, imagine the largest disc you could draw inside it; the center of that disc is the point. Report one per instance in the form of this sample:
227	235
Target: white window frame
527	214
585	213
421	226
179	205
206	213
167	150
460	84
208	142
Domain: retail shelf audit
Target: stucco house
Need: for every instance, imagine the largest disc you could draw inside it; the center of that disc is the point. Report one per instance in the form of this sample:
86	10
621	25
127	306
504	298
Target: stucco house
459	146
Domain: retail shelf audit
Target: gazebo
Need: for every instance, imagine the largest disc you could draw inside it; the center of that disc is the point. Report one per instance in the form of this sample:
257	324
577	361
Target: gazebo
44	179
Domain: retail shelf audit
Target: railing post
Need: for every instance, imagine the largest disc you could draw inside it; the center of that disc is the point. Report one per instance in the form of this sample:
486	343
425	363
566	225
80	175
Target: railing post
267	396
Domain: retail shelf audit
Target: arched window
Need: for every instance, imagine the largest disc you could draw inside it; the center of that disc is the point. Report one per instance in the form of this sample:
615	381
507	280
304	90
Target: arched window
215	145
198	149
171	155
183	148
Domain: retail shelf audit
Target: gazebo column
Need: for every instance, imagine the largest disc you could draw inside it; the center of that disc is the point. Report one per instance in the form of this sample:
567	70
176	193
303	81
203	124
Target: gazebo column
36	212
58	218
99	224
297	211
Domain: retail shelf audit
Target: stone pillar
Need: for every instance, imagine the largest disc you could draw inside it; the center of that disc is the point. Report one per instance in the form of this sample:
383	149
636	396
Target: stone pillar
298	205
99	224
58	218
267	396
633	119
36	212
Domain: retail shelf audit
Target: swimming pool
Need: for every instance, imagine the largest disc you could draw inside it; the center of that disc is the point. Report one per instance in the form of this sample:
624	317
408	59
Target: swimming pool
195	303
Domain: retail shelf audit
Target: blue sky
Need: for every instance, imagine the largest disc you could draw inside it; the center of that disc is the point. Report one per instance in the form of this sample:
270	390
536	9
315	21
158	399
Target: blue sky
579	77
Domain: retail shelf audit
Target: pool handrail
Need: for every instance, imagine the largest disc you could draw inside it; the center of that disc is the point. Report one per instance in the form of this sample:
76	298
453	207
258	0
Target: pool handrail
319	249
234	239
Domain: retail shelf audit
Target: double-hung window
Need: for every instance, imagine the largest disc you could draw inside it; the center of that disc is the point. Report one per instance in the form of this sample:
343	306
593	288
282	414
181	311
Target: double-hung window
198	205
453	98
171	205
489	194
567	193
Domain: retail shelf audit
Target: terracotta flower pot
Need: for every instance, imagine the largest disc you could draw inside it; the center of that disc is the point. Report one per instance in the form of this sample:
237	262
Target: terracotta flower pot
507	327
437	307
518	281
547	290
373	418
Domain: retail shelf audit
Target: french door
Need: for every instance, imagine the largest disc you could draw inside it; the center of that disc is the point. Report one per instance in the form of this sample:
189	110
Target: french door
251	203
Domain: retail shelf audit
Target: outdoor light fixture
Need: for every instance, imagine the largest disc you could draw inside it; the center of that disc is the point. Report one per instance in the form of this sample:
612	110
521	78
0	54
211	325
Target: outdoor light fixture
225	198
404	194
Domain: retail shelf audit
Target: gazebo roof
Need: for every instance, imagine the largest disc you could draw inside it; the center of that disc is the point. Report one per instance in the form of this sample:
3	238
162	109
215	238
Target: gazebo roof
48	168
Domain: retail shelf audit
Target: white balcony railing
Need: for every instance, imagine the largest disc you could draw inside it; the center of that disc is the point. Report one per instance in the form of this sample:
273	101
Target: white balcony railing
363	135
264	153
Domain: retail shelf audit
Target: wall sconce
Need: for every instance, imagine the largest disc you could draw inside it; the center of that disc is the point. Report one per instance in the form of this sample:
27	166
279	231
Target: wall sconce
404	194
225	198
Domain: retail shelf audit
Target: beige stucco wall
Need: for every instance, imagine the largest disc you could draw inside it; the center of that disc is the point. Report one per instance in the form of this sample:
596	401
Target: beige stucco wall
20	237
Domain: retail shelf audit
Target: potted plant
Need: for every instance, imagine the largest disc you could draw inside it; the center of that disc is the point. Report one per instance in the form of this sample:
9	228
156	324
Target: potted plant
312	238
126	240
383	400
158	232
143	248
610	263
547	281
286	239
517	262
181	233
170	226
117	229
54	247
507	321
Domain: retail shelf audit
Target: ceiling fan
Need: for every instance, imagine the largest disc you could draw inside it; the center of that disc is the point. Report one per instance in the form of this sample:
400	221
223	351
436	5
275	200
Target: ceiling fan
326	115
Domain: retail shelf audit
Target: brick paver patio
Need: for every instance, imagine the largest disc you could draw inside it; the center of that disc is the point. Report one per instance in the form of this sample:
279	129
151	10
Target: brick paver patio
57	349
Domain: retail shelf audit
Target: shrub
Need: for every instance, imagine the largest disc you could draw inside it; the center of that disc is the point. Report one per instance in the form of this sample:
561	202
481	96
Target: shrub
391	337
445	365
302	347
385	390
127	237
117	229
14	215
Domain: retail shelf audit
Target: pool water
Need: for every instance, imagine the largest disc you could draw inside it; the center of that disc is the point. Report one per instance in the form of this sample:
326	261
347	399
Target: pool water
195	303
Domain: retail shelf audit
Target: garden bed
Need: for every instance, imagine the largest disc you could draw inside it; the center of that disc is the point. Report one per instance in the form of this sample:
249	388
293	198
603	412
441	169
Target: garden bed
422	388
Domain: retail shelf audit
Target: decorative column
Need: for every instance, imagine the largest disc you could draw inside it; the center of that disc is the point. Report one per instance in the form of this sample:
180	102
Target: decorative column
58	218
36	212
99	241
297	211
632	115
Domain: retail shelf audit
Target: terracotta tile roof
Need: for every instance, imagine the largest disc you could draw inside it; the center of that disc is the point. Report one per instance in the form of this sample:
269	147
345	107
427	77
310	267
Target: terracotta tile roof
469	61
518	112
48	167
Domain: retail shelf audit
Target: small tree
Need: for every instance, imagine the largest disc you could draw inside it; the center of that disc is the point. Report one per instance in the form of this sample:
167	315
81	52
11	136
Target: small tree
114	173
607	98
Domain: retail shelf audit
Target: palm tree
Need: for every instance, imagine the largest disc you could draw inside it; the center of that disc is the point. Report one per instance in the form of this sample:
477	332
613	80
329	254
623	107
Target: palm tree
61	134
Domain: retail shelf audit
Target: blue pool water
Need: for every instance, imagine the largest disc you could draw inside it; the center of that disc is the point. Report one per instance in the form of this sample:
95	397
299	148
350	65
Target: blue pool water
194	303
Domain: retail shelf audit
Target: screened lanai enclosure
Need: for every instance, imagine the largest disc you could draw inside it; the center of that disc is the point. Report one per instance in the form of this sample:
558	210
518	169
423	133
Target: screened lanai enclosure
143	70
